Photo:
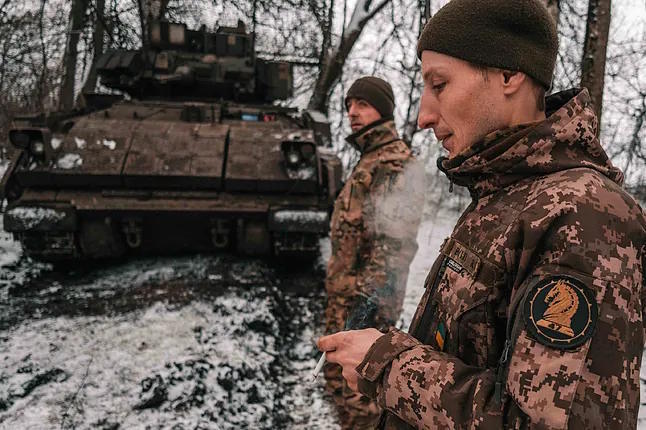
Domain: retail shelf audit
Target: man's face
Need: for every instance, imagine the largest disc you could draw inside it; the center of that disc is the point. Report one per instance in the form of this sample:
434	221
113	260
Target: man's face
361	113
458	102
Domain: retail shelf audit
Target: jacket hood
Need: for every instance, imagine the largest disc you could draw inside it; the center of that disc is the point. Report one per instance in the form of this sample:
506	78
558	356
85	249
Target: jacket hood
566	139
374	135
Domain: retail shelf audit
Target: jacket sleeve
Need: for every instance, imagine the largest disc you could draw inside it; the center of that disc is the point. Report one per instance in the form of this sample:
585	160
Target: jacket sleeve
547	386
593	386
426	388
392	215
347	230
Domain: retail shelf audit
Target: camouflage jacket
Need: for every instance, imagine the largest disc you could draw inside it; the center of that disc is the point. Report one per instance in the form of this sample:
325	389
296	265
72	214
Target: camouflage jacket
532	316
375	220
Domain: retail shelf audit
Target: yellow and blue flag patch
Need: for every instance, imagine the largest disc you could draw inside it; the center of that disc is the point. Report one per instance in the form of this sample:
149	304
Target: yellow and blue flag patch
440	335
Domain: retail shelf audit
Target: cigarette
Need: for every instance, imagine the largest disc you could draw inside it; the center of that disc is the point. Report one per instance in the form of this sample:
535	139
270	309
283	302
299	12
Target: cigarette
318	368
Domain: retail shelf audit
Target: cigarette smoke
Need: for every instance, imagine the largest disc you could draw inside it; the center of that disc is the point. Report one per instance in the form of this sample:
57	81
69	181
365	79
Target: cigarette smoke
395	218
398	211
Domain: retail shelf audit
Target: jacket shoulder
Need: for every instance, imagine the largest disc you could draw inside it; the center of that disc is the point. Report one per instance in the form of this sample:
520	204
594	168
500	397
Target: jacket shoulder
585	192
390	159
396	151
581	219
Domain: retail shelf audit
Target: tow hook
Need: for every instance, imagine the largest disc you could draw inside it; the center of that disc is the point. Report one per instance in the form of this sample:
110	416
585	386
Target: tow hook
220	233
133	232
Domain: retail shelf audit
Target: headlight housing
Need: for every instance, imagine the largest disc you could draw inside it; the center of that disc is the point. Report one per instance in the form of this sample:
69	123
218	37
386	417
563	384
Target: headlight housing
297	153
19	139
36	141
300	157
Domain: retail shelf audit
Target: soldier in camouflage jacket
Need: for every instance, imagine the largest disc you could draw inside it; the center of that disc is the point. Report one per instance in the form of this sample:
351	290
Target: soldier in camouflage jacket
533	314
371	249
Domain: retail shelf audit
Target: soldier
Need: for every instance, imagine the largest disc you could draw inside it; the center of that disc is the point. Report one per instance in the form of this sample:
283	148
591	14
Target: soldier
373	231
533	314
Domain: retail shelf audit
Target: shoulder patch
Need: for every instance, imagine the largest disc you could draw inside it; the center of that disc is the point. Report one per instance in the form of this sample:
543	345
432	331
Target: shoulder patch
561	312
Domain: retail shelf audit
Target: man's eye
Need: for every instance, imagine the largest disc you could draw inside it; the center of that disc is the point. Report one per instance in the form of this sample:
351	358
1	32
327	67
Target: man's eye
439	87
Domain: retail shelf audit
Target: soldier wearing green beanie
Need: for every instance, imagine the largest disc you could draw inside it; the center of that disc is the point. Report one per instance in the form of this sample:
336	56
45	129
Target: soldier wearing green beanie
532	316
373	232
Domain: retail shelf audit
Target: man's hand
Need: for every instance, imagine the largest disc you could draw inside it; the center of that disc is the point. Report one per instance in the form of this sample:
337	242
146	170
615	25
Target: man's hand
348	349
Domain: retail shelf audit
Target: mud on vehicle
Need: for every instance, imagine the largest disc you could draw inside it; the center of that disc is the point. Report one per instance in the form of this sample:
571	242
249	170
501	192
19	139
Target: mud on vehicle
194	157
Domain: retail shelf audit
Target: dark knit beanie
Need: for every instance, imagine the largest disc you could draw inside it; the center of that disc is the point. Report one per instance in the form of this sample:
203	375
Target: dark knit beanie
375	91
517	35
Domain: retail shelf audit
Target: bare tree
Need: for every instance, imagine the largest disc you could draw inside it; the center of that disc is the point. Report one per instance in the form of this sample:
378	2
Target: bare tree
625	112
593	65
98	37
77	18
635	149
412	72
334	60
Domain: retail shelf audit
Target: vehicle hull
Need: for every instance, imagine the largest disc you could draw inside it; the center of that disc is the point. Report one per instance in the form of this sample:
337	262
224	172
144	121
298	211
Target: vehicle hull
80	224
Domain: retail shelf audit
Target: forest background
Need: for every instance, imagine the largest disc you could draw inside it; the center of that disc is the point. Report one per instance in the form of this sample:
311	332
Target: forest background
48	49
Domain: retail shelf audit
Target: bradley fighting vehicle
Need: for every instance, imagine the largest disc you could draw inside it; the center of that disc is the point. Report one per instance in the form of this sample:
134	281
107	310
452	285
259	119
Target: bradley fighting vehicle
198	159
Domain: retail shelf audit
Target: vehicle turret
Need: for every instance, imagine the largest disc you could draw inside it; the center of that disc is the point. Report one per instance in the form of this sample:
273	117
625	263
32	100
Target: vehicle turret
184	64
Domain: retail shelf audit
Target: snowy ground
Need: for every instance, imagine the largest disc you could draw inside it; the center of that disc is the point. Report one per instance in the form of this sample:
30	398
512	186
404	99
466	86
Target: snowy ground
183	343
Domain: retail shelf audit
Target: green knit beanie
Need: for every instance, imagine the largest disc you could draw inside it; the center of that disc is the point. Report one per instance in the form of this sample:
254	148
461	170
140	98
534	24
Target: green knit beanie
375	91
516	35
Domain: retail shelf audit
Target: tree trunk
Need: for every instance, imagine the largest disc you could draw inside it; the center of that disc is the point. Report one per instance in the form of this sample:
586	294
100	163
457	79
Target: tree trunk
97	45
410	127
332	67
327	32
635	145
77	15
43	90
593	65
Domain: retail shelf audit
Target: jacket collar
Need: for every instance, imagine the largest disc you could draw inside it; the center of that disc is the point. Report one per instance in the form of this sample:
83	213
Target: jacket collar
566	139
374	135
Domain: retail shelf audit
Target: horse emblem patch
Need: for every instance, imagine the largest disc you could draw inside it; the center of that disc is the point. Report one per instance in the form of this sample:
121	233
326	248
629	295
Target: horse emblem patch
561	312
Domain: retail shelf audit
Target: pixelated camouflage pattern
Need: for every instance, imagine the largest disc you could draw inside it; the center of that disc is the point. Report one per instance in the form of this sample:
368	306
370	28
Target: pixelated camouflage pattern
373	236
546	202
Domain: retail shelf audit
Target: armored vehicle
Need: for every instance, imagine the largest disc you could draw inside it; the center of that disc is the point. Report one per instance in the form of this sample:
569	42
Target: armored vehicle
194	156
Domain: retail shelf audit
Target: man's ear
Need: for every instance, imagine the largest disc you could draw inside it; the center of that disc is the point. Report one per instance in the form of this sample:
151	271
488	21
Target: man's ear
512	81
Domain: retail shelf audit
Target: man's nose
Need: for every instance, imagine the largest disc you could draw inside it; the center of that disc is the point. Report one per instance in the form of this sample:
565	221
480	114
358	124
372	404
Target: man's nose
428	115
